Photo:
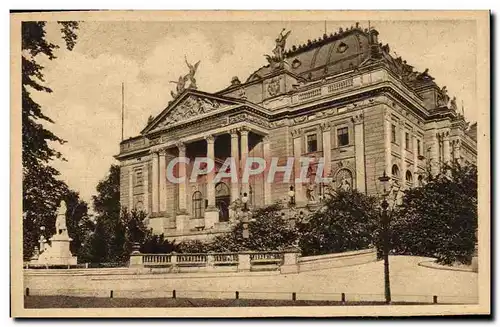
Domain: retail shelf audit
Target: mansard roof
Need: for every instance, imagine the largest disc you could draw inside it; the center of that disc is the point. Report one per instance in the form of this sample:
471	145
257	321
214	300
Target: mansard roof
327	55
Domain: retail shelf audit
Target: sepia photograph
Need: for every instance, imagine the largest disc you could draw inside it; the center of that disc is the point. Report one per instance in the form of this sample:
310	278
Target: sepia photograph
250	164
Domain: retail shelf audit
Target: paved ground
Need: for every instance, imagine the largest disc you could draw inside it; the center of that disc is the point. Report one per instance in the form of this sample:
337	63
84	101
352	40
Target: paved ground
409	282
41	302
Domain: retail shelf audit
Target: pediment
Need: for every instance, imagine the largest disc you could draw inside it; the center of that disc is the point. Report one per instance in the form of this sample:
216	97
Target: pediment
188	106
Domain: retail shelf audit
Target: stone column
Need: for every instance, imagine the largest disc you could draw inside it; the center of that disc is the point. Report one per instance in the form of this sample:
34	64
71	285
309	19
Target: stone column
403	156
181	219
145	187
235	153
266	149
162	181
387	144
359	143
211	213
446	147
434	160
456	150
327	148
131	188
154	183
297	152
244	156
415	161
182	186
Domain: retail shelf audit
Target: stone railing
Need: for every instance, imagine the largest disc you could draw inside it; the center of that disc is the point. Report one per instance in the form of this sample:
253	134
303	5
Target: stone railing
285	261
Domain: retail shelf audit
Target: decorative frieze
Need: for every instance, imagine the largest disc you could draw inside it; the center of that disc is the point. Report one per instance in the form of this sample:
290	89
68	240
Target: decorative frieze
244	117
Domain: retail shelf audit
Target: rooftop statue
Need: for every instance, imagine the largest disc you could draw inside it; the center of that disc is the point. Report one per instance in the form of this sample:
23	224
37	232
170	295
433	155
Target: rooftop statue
192	72
425	75
181	83
181	86
443	97
453	103
278	59
280	45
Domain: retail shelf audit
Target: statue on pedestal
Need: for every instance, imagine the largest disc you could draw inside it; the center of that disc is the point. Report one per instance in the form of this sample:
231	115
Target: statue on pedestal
61	219
58	252
310	193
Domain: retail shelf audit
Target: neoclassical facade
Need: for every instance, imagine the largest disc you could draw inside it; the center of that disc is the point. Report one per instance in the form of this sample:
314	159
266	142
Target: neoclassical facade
342	97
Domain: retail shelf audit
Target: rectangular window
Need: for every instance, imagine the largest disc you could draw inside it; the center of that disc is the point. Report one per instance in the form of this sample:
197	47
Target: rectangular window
407	141
343	136
312	143
138	178
393	133
419	148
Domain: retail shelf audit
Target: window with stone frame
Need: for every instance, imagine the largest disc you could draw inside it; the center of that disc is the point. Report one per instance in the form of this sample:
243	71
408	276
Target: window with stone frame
407	141
342	136
138	177
395	171
409	177
394	134
312	142
197	203
419	147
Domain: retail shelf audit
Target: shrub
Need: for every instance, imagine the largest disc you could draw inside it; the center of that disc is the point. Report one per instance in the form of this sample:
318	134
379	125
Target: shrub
347	222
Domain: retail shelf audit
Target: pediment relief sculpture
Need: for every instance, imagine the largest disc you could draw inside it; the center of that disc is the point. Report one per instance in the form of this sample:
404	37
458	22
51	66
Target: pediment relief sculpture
190	107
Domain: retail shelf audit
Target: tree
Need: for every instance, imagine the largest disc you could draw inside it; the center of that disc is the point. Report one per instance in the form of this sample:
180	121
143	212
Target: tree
439	219
108	239
268	231
77	220
348	221
42	190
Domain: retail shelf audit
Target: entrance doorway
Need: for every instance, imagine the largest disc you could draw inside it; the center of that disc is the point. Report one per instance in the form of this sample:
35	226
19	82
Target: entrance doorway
222	200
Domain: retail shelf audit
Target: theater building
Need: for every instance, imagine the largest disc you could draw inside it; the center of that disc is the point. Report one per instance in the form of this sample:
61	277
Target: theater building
342	97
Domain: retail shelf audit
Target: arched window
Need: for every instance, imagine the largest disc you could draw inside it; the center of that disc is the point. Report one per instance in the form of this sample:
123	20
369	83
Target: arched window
344	179
395	171
409	177
420	180
197	201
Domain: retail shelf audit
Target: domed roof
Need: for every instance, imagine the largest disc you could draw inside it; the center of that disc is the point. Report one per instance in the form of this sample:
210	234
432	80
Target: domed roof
328	55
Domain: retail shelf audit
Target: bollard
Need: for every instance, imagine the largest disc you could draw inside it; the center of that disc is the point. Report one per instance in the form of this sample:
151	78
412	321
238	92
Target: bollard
294	296
237	295
174	295
111	294
342	297
435	299
27	291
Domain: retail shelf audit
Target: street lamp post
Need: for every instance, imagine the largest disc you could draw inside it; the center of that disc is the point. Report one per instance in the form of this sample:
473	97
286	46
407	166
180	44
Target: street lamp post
385	235
291	196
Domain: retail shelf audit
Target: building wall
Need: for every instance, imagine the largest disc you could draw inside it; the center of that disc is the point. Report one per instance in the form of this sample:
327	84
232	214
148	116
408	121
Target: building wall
374	146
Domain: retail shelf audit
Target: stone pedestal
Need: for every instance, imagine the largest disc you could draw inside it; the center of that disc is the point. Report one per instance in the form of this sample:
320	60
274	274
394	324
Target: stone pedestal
211	217
156	223
244	262
135	260
290	261
182	222
58	252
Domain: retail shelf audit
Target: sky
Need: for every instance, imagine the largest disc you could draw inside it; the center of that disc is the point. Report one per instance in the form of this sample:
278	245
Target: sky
86	82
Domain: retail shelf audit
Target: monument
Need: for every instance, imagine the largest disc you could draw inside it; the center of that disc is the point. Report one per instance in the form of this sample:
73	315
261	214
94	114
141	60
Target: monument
58	252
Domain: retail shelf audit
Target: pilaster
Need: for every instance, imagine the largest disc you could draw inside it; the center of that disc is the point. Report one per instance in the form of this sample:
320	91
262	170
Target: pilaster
359	144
